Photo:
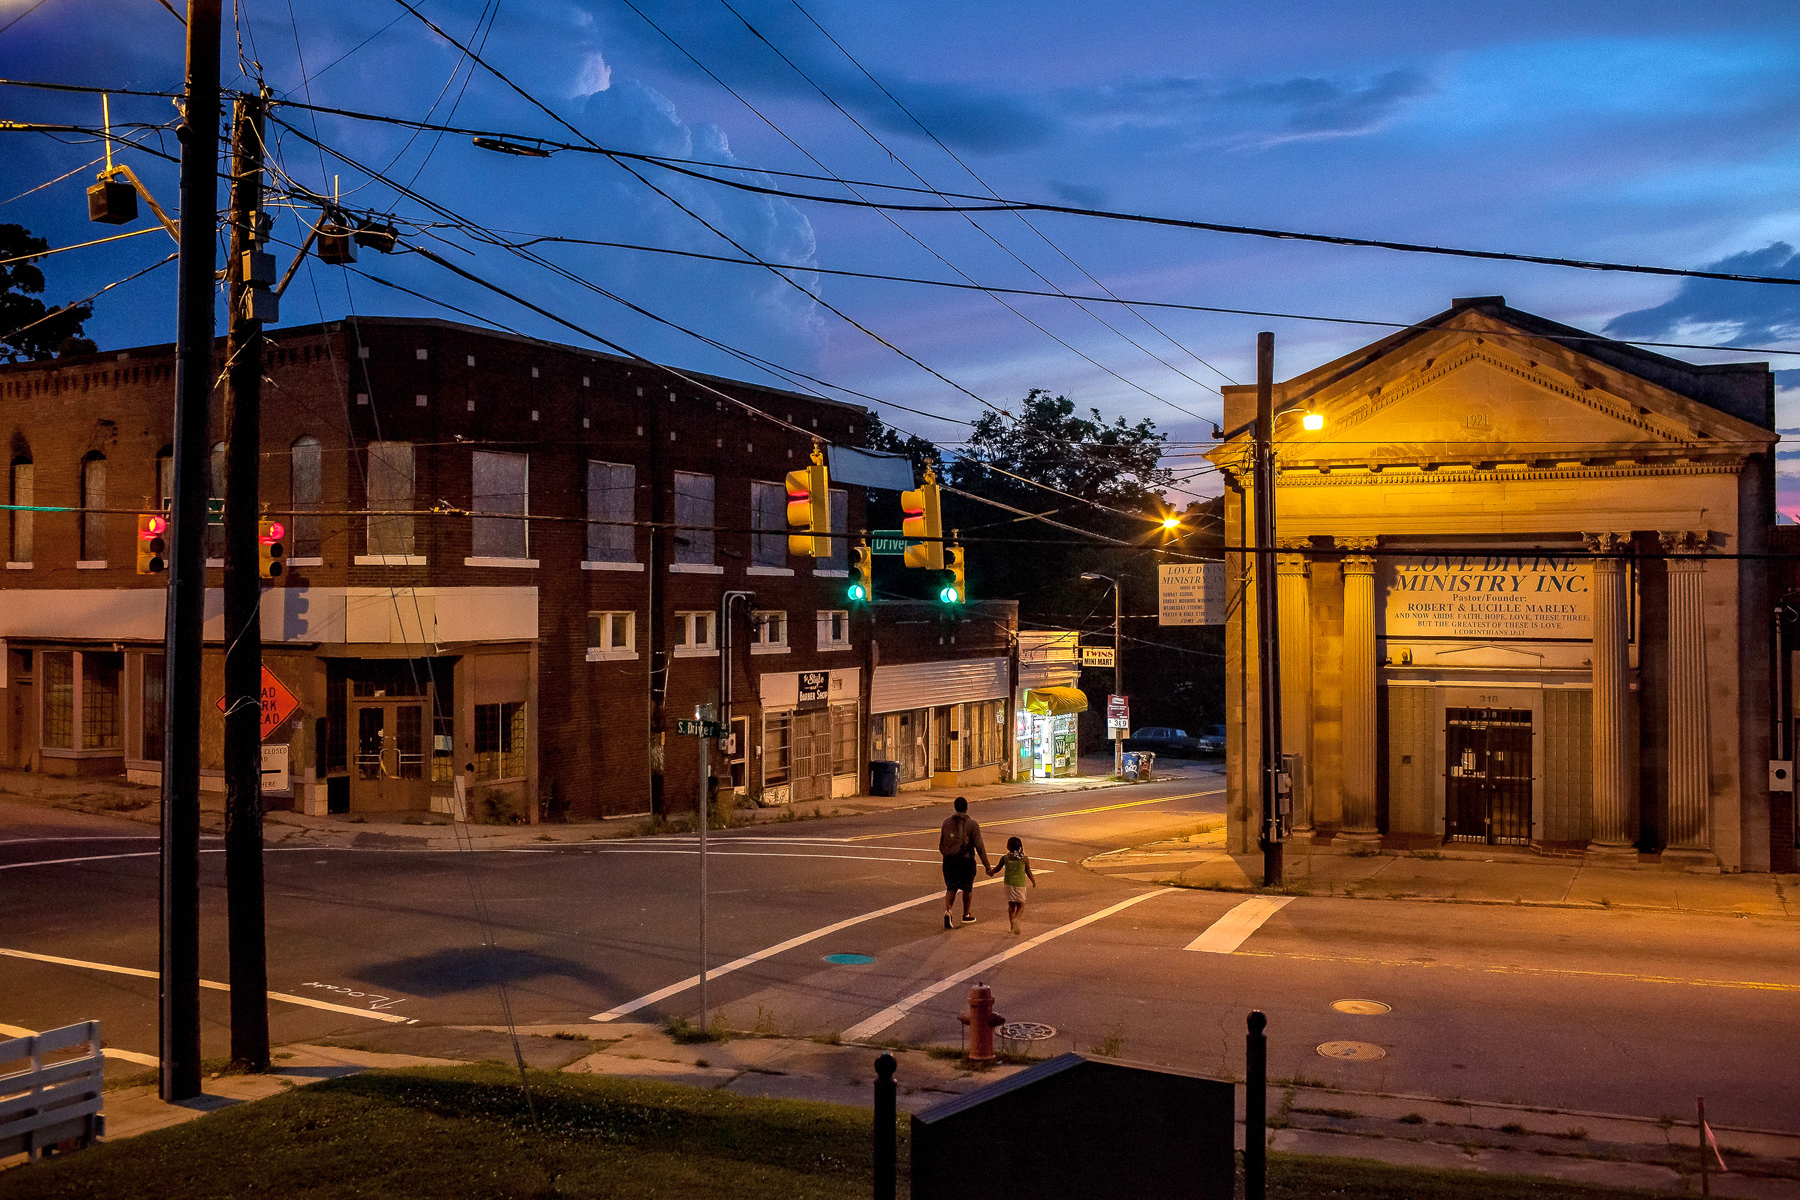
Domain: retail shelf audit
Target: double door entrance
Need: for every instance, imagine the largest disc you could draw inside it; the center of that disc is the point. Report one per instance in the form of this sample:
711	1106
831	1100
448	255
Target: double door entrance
1487	788
387	719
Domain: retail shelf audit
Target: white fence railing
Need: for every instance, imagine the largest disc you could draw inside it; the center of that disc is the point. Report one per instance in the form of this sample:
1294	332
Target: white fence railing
46	1103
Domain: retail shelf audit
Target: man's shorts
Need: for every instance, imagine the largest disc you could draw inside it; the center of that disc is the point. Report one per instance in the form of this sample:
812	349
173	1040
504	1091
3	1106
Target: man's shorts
959	874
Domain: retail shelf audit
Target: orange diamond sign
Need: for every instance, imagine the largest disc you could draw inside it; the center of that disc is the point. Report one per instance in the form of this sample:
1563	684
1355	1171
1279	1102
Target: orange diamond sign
278	704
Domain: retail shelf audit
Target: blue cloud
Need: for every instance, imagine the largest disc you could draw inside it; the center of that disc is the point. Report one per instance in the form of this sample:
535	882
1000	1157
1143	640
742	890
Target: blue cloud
1753	313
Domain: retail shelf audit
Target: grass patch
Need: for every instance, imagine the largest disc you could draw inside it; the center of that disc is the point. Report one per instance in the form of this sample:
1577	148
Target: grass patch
210	1068
1297	1177
1343	1114
684	1032
465	1131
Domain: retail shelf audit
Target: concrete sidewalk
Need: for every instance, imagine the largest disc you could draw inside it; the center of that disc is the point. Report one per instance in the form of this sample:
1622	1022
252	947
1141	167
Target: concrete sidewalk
1658	1154
435	831
1470	875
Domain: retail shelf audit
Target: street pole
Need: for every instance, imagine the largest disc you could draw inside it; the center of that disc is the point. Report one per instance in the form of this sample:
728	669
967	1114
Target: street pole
178	956
243	597
705	820
1268	646
1118	688
721	635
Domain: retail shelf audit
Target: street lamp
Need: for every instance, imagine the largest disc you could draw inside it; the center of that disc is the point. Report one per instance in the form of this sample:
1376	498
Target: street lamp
1118	669
1268	640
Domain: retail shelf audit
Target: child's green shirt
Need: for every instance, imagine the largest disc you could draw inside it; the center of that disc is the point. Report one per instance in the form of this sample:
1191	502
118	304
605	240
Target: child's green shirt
1015	869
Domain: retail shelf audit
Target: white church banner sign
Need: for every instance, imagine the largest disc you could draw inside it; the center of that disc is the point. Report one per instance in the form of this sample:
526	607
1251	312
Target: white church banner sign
1487	597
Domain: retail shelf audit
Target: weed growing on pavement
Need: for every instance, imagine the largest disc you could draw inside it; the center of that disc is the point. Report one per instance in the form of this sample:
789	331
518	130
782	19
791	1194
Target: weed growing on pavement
828	1039
569	1035
684	1032
1342	1114
1513	1127
1113	1044
1413	1119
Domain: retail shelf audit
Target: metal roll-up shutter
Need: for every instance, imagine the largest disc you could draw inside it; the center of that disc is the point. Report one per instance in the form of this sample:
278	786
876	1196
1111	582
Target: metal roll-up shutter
924	685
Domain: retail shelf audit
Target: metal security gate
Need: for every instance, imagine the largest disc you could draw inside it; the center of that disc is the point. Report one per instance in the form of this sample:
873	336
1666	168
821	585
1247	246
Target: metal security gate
1487	790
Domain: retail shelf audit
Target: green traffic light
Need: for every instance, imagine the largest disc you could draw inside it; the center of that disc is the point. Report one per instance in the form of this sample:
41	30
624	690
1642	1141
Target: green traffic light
857	592
949	596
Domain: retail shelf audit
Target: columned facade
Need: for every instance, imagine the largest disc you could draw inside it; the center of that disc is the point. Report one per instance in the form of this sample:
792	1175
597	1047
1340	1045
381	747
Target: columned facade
1522	599
1293	580
1614	832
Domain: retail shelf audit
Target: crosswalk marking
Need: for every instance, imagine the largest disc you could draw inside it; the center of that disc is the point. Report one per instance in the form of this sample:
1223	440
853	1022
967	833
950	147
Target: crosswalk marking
1230	931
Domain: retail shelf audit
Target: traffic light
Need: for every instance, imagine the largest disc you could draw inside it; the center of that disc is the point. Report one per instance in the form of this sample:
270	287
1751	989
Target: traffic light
956	588
153	544
269	550
924	520
809	509
862	574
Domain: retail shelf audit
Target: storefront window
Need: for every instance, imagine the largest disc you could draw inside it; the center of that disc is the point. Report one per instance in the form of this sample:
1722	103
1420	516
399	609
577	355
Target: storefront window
100	715
59	700
843	739
500	740
778	748
153	708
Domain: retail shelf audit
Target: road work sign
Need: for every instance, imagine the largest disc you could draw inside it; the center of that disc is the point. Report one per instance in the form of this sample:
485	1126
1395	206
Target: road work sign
1190	594
278	704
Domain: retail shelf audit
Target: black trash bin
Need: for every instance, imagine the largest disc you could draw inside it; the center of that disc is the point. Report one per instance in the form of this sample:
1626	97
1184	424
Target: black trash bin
884	777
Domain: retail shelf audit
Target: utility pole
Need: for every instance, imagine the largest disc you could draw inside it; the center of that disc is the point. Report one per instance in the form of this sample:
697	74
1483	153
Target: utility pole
1268	658
178	984
248	269
1118	687
722	637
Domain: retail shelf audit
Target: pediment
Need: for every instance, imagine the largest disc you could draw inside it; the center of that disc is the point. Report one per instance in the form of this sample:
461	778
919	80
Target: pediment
1470	391
1490	656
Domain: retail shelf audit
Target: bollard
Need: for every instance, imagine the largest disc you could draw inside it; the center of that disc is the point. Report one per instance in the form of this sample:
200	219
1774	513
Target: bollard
1256	1105
886	1137
982	1022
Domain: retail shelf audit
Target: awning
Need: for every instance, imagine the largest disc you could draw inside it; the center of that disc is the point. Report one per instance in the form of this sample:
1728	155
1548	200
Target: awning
1056	701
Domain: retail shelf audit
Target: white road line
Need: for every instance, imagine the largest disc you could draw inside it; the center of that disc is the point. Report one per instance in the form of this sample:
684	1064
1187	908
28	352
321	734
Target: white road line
306	1001
864	1030
130	1056
1233	929
613	1014
57	862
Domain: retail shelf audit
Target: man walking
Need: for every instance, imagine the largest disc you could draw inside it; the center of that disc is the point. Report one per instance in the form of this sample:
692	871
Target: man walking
959	841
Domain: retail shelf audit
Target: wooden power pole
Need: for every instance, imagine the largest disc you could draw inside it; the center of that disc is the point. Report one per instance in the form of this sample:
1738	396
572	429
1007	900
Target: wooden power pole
250	271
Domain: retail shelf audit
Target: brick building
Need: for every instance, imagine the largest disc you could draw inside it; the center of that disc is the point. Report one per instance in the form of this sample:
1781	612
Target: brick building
543	651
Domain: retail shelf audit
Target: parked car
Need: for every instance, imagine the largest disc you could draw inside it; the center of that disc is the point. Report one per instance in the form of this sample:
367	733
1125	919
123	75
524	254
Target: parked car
1212	740
1164	740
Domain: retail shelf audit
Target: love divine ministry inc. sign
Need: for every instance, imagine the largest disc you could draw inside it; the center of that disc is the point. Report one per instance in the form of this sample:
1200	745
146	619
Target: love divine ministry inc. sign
1491	597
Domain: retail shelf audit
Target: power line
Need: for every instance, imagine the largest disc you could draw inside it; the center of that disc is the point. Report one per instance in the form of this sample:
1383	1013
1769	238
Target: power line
685	166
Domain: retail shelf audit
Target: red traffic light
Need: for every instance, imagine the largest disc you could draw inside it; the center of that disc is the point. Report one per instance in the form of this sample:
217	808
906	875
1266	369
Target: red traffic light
153	527
273	531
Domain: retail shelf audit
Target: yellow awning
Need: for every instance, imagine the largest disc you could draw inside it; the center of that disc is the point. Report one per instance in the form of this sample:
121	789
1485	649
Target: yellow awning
1056	701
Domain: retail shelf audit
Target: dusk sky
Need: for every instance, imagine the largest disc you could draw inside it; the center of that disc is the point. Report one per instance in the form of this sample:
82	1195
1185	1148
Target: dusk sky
1650	132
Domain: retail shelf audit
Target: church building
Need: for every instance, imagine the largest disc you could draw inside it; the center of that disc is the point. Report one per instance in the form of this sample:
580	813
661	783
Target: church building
1522	598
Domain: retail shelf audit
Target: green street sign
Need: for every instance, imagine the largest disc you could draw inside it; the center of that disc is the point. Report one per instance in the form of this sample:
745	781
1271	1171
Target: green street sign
887	541
711	729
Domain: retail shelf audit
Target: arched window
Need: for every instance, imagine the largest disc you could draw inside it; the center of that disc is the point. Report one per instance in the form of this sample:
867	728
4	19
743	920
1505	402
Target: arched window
20	490
165	478
215	529
306	464
93	500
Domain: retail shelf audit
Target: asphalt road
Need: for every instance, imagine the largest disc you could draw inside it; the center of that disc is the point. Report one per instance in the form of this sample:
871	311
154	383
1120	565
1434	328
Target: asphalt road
1596	1011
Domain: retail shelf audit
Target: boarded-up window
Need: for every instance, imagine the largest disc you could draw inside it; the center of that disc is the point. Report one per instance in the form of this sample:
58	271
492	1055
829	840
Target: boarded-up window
843	739
500	740
499	486
390	481
93	504
59	700
153	707
165	478
215	509
693	518
100	711
611	506
22	492
305	466
768	516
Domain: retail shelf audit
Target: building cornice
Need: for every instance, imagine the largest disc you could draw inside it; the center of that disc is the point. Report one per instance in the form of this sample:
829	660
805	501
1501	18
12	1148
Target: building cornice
1407	475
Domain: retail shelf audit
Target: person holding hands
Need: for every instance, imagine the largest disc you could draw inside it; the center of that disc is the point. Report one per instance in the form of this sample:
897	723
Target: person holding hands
1018	871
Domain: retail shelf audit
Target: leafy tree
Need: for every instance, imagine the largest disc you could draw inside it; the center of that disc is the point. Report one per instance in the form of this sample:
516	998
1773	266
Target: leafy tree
1112	464
891	440
28	328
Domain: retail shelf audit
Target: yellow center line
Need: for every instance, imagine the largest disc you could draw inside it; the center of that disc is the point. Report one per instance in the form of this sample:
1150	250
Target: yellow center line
1077	812
1504	969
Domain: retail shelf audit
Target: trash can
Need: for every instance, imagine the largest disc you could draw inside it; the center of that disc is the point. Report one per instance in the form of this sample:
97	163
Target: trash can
1138	765
884	777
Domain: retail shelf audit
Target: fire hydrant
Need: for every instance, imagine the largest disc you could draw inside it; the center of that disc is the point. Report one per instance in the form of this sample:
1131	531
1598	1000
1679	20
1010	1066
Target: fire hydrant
982	1020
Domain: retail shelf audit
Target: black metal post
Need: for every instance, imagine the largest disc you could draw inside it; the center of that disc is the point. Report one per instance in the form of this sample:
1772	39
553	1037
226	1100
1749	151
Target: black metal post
243	597
1268	641
886	1136
1256	1108
178	987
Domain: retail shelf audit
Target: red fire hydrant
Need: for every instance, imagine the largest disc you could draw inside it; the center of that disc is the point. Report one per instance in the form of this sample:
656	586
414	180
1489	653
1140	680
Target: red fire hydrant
982	1020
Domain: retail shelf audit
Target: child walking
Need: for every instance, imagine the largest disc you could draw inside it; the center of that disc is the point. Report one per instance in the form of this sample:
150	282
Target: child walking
1018	870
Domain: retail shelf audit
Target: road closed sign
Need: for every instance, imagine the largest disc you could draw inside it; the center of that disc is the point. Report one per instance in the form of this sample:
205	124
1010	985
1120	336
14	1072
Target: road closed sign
1190	594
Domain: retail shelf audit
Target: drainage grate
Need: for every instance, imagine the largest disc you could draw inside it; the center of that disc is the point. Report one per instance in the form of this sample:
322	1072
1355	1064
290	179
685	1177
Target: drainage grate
1361	1008
1026	1031
1352	1051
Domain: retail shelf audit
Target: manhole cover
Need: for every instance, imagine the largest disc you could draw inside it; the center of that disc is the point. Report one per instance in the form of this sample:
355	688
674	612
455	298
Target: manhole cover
1361	1008
1026	1031
850	960
1352	1051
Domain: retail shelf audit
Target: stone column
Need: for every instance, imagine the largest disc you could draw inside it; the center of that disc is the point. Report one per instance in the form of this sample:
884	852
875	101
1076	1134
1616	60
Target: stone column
1359	691
1293	583
1614	832
1690	809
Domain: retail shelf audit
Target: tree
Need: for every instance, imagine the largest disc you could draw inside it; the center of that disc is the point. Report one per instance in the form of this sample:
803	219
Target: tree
28	328
892	441
1111	464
